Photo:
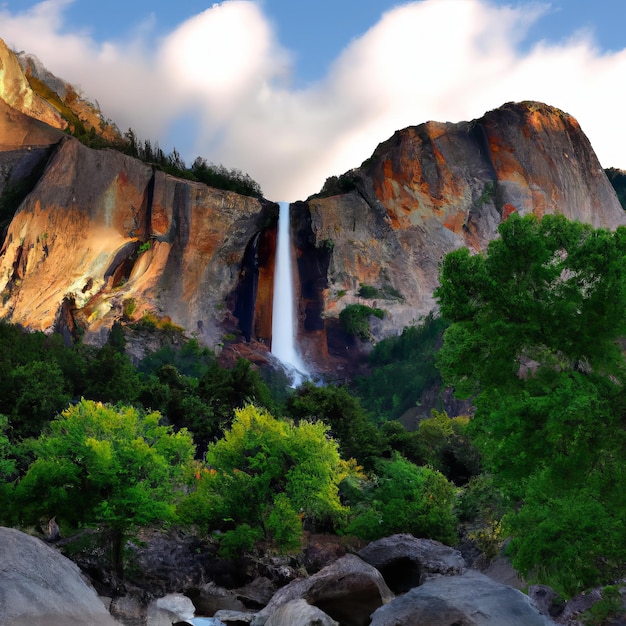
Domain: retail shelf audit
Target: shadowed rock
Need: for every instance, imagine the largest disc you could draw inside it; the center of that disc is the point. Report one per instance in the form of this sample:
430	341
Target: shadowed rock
471	599
40	587
348	590
406	562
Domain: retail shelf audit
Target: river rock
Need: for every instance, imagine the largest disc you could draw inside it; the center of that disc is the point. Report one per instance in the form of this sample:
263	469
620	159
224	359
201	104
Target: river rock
300	612
471	599
169	609
348	590
406	562
210	598
39	586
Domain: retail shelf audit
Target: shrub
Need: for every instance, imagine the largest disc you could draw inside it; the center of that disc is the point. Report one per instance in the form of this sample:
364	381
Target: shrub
354	320
405	498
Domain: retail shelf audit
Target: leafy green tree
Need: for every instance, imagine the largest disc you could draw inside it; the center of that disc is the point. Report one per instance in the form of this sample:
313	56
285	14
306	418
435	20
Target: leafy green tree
534	339
404	498
7	467
117	468
350	426
111	377
272	475
444	445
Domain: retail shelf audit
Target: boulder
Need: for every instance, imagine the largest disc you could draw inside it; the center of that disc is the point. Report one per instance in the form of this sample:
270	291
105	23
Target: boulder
234	618
471	599
546	600
210	598
169	609
348	590
300	612
257	593
39	586
406	562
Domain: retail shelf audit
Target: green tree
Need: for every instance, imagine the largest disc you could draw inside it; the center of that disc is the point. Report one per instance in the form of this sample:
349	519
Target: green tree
534	333
272	475
404	498
349	424
117	468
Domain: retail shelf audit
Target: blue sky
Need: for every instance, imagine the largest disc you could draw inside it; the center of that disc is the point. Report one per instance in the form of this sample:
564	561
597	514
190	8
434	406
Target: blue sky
292	92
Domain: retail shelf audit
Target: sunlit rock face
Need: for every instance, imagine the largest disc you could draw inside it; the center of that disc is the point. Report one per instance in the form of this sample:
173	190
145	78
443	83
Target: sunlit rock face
430	189
102	238
17	93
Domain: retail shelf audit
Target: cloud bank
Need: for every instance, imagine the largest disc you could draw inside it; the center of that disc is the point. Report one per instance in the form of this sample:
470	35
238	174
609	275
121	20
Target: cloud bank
224	76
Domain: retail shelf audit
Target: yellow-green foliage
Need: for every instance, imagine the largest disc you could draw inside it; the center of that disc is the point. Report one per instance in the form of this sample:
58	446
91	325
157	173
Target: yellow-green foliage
272	475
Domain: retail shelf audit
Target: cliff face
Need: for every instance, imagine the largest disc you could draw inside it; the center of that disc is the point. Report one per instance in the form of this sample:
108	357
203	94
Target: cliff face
95	237
102	238
17	93
435	187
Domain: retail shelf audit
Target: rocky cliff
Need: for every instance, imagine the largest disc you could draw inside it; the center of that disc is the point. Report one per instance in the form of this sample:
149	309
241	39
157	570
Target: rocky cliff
428	190
94	237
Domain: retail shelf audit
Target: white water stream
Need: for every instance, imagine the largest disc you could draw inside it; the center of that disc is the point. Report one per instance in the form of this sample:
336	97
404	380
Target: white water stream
283	313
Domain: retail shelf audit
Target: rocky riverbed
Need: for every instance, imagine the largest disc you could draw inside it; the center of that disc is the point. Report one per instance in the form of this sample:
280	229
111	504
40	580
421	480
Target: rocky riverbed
174	578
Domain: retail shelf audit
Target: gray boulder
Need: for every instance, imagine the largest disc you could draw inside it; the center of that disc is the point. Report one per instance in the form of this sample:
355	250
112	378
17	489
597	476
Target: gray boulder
211	598
348	590
300	612
406	562
39	586
471	599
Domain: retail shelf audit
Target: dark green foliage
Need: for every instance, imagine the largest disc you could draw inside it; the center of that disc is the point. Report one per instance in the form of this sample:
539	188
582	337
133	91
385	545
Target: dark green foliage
404	498
534	338
222	178
112	377
349	424
190	360
402	368
354	320
336	185
444	445
608	610
367	291
38	377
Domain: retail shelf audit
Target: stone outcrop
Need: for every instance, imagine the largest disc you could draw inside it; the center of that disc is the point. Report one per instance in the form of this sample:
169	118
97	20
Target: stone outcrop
471	599
428	190
39	586
406	561
348	590
17	93
299	612
102	237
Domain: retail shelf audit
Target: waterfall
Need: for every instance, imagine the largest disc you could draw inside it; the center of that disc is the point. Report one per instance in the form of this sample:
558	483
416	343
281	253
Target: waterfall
283	313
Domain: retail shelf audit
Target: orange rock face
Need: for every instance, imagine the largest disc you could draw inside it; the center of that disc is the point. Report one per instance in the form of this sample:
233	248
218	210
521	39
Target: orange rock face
77	236
435	187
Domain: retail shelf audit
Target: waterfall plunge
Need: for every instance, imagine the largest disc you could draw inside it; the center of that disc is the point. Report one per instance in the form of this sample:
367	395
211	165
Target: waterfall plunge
283	312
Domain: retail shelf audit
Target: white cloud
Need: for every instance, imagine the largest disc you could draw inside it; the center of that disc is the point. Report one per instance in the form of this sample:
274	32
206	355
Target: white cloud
226	73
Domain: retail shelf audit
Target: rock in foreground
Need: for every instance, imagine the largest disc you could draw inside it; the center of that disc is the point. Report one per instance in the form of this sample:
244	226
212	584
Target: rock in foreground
39	586
471	599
